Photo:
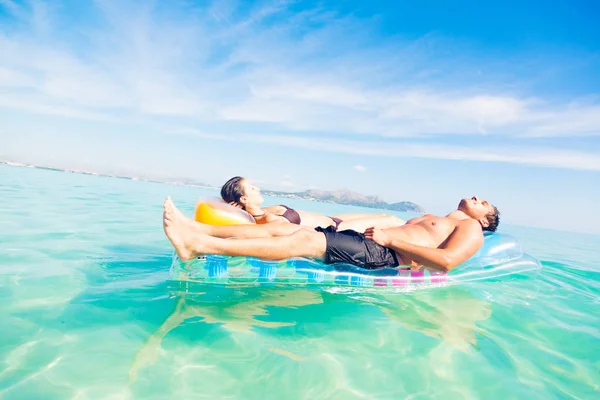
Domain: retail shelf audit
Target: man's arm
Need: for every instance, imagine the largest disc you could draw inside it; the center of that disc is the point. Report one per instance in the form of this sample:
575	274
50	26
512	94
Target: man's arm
459	247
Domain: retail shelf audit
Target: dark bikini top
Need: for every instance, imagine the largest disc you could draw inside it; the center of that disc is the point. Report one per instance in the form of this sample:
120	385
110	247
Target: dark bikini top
291	215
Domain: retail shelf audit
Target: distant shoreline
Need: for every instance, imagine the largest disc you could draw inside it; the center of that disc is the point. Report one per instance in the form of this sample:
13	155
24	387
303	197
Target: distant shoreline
107	175
333	197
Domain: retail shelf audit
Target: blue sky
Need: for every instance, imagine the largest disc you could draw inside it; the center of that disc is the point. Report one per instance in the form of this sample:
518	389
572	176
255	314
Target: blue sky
427	102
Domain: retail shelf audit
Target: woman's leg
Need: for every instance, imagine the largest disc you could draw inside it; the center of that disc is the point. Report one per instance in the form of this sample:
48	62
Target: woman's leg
361	224
347	217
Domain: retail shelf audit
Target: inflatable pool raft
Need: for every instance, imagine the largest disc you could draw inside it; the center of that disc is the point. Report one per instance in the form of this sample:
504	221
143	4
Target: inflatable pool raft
500	255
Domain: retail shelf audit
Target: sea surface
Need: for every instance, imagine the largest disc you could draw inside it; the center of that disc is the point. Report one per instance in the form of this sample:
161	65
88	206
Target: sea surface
88	310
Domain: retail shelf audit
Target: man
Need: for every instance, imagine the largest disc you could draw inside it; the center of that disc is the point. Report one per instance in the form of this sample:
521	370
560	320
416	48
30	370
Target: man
439	243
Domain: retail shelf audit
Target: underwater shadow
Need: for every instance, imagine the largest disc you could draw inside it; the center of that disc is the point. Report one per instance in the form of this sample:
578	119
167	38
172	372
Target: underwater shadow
132	284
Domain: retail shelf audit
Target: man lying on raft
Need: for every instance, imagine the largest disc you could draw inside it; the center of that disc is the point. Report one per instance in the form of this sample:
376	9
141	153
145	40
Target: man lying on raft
242	193
440	243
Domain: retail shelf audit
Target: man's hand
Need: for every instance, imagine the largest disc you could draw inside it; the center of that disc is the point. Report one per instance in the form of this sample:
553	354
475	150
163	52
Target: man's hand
378	236
415	266
461	244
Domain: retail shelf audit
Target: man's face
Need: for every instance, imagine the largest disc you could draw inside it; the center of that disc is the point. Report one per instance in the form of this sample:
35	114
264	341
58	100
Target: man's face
475	208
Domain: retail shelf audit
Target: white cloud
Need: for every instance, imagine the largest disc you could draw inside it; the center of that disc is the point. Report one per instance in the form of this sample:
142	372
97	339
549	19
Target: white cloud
573	120
13	78
360	168
407	112
518	154
39	105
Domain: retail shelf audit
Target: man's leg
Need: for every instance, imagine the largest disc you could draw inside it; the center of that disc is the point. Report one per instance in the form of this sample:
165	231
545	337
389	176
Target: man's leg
272	229
190	242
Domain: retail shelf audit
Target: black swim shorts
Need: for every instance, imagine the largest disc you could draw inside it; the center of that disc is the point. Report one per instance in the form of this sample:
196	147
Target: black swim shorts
352	247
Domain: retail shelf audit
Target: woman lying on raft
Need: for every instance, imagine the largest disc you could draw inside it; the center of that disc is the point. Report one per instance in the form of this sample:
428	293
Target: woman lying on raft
241	193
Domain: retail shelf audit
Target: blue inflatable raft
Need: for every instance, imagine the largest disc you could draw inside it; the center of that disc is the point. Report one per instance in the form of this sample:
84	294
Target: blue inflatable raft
500	255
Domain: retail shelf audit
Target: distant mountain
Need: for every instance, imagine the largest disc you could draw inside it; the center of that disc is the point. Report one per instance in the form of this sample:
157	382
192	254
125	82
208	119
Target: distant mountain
349	197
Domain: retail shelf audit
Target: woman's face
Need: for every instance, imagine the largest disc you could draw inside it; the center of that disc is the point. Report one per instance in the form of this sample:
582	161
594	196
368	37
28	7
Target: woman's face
252	196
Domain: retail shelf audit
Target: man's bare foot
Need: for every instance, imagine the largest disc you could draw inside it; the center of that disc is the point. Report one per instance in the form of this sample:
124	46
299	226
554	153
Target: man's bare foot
176	212
180	216
187	241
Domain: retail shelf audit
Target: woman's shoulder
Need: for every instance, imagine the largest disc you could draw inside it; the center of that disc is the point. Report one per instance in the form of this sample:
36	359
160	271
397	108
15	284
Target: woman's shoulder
276	209
269	217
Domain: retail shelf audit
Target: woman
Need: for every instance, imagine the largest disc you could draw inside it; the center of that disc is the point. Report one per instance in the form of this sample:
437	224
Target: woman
240	192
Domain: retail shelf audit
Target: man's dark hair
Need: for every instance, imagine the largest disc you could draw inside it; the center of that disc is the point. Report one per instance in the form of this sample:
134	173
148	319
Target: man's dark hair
232	190
493	219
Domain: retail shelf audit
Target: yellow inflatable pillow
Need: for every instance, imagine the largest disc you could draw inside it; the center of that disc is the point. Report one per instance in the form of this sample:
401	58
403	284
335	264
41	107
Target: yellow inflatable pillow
215	212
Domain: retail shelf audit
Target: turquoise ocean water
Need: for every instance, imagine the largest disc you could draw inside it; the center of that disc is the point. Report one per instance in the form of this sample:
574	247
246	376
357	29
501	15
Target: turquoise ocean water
88	311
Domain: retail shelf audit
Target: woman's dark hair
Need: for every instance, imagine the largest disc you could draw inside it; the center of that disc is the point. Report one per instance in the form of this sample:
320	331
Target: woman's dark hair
493	219
232	190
